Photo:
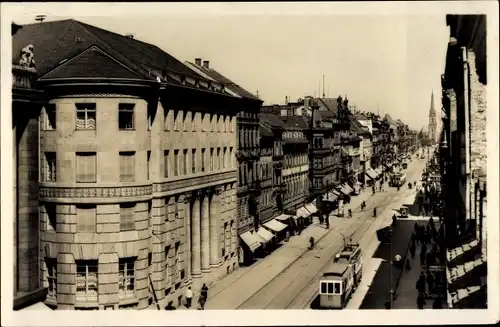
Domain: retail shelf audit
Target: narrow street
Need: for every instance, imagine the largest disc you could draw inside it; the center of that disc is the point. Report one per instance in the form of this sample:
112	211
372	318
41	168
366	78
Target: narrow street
287	279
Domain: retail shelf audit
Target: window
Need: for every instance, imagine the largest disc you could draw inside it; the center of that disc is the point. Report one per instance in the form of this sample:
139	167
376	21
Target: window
126	116
227	237
86	281
85	218
231	244
49	167
202	159
85	116
127	214
148	164
184	162
336	288
218	159
176	162
330	288
49	117
224	158
50	217
176	260
126	280
51	264
231	160
127	166
86	167
193	161
168	279
211	159
166	159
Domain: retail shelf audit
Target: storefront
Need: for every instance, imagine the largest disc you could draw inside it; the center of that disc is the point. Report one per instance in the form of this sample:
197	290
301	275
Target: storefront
372	176
267	240
250	245
277	227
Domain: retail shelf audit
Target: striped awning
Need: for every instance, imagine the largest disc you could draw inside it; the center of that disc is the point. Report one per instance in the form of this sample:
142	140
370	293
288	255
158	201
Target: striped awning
252	240
275	225
302	212
349	187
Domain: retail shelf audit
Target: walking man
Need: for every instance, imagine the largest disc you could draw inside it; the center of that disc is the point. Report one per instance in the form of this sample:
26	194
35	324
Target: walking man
204	291
420	301
412	250
189	297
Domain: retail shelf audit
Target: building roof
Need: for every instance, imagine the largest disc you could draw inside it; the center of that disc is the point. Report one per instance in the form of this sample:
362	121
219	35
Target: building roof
271	120
265	130
361	116
295	122
227	82
328	104
55	42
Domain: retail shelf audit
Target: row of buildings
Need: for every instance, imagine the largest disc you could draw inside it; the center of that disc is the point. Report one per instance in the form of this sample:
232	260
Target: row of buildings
138	175
463	161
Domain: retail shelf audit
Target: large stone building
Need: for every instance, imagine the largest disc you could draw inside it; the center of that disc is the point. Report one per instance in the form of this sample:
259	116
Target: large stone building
247	153
126	169
463	160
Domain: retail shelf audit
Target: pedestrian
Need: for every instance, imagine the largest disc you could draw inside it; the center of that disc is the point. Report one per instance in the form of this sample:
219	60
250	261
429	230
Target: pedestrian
202	300
408	267
327	218
412	250
321	219
430	282
420	301
204	291
422	258
189	297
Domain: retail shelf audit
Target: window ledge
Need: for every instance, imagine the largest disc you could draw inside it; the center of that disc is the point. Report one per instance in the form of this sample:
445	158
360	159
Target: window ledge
83	305
128	301
127	130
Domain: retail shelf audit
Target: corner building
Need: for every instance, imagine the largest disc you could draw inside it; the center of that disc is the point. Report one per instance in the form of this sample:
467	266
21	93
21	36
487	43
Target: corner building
137	170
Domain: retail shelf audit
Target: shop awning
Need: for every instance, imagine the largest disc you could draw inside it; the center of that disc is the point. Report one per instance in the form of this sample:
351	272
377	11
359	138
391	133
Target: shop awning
264	234
346	190
302	212
349	187
371	173
252	240
330	197
455	273
275	225
462	294
459	251
283	217
378	171
311	207
337	193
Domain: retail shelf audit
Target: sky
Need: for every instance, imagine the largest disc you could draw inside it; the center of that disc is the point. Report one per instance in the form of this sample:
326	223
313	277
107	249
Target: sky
386	63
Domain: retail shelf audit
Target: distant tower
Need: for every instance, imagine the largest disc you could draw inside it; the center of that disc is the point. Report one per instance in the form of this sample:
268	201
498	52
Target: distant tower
432	121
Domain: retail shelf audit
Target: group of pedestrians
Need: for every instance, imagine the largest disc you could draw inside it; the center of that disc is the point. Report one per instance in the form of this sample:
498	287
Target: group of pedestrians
429	239
202	299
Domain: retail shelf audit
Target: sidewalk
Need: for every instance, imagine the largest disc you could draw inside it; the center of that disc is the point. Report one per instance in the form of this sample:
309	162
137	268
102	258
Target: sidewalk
406	292
231	288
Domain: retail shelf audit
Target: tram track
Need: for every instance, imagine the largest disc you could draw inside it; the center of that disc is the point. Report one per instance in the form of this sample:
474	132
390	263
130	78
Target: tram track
336	245
278	300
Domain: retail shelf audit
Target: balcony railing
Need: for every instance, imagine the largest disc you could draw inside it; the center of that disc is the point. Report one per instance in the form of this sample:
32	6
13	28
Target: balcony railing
23	77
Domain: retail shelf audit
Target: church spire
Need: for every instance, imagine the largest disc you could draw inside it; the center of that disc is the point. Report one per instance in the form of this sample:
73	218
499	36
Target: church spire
432	111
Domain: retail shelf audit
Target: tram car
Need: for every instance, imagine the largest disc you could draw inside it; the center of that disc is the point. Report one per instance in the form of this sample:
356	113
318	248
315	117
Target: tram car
340	280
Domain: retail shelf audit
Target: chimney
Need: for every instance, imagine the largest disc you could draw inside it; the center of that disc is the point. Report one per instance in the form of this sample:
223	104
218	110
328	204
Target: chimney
206	64
197	61
129	36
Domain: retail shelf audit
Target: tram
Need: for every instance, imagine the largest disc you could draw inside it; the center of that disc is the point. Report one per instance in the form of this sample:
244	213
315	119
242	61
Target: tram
340	280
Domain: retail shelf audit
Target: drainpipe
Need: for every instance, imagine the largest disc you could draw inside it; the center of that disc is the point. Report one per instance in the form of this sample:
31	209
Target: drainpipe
467	132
